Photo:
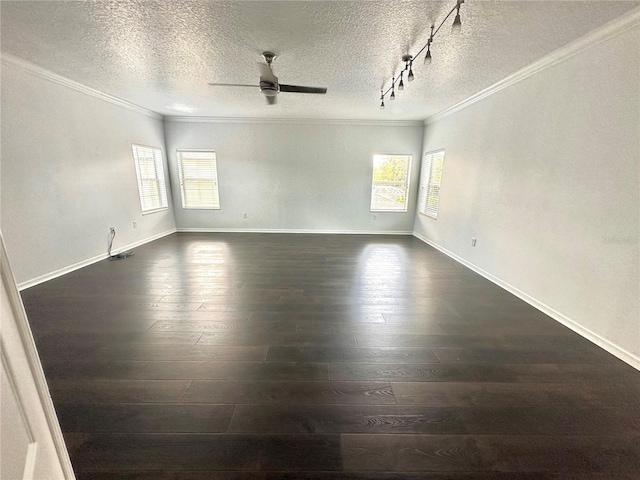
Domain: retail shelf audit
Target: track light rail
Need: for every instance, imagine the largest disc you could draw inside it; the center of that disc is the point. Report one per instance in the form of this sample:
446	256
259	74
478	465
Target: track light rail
408	59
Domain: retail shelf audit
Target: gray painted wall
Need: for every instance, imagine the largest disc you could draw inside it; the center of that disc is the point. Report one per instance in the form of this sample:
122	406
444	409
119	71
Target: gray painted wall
545	173
68	174
294	176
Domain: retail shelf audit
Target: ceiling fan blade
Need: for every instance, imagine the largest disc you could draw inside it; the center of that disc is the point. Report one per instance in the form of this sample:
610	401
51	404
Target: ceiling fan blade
299	89
232	85
266	74
271	100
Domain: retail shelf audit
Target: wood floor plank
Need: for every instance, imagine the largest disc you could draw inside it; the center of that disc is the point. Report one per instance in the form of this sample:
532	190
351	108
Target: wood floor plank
118	391
346	354
91	369
318	317
144	418
119	338
245	371
196	326
432	453
278	339
187	370
159	452
537	420
504	328
345	419
543	342
508	354
294	393
367	328
463	372
517	394
48	322
179	353
309	475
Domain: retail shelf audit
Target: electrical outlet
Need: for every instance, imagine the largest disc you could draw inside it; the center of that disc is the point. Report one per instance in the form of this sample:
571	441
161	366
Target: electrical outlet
135	224
374	216
112	229
473	241
244	215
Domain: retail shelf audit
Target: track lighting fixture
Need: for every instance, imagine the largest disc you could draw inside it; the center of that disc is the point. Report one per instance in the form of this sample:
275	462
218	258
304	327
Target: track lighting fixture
408	59
408	63
457	23
427	57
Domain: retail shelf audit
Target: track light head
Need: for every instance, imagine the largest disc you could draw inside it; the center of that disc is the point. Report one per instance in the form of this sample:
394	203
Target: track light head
410	77
401	84
457	24
427	57
393	95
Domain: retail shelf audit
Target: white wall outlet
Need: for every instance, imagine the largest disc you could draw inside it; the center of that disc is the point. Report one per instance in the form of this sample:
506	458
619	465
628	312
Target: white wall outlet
473	241
135	224
374	216
244	215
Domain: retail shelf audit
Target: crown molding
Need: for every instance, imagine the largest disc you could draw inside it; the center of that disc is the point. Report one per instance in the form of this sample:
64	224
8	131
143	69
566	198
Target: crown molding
8	59
304	121
607	31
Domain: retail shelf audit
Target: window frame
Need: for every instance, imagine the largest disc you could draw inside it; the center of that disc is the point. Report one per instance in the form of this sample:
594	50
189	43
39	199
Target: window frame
179	151
405	209
159	178
426	184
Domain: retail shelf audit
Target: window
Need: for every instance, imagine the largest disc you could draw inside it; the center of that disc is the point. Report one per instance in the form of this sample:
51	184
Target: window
430	178
151	185
198	179
390	186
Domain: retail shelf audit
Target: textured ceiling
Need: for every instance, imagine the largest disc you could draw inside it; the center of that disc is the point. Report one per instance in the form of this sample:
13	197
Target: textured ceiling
161	55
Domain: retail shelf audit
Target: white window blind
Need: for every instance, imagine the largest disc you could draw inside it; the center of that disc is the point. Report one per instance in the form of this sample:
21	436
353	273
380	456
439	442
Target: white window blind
199	179
390	184
151	184
430	180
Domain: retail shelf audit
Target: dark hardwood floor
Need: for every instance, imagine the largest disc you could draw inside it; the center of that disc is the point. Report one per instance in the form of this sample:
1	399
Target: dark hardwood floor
248	356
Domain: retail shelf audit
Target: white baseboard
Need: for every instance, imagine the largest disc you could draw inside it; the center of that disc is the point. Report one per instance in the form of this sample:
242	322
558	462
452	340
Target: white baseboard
294	230
89	261
623	354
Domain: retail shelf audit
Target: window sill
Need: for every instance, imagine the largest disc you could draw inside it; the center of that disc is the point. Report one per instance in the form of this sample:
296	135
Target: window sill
155	210
200	208
388	211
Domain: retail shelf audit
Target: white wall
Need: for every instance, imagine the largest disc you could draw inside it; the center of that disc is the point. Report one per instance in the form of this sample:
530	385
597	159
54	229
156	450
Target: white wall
545	173
294	176
68	174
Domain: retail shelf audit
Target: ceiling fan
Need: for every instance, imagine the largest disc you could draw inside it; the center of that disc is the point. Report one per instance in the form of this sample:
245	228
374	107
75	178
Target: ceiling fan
269	85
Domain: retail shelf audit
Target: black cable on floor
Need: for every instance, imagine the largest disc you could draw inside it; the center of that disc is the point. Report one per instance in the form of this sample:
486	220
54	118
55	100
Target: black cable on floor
120	255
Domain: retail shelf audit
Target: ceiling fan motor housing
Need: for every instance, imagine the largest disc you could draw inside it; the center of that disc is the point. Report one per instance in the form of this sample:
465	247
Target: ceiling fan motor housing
268	89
